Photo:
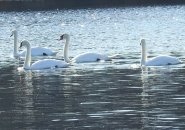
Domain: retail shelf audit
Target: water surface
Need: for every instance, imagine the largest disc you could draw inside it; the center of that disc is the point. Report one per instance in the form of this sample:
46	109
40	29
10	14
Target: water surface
117	94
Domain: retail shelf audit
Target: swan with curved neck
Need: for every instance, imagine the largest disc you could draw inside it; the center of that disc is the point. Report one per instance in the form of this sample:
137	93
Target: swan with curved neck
41	64
35	51
156	61
84	57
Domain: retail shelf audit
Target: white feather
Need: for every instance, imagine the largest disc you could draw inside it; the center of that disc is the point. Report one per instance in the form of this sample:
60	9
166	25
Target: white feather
157	61
35	51
41	64
84	57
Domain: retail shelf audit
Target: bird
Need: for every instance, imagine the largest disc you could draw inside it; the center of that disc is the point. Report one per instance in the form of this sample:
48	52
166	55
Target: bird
35	51
40	64
161	60
83	57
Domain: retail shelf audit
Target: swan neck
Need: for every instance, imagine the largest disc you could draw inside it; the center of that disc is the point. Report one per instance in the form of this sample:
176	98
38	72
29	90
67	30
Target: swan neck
143	55
28	57
15	45
66	49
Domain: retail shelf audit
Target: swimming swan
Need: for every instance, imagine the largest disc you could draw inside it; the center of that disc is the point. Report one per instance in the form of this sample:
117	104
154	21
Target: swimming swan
35	51
156	61
41	64
84	57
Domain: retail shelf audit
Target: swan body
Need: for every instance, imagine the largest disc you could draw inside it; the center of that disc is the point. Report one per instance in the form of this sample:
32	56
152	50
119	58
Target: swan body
157	61
35	51
39	51
89	57
48	64
84	57
162	60
41	64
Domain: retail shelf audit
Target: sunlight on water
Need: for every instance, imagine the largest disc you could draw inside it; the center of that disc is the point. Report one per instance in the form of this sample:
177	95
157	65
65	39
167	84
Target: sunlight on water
116	94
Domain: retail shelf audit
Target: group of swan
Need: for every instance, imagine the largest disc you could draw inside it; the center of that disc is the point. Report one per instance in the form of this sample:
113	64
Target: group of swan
41	64
52	63
84	57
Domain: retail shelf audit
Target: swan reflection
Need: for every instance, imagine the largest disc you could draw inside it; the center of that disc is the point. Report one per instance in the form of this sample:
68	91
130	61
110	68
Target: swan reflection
157	89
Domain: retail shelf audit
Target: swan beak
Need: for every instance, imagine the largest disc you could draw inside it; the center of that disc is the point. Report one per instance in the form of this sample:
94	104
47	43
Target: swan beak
11	35
61	37
20	45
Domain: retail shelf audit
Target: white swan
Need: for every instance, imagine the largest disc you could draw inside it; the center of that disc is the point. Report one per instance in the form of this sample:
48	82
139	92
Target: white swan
35	51
41	64
84	57
156	61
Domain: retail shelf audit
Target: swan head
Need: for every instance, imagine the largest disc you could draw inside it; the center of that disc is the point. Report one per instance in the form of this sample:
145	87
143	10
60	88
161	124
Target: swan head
24	44
14	32
64	36
143	42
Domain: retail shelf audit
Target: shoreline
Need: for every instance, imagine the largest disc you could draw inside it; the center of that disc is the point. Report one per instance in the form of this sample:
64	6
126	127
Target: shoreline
24	5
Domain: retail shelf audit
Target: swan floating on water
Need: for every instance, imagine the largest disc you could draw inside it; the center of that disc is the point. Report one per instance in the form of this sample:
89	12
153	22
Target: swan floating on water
41	64
84	57
35	51
156	61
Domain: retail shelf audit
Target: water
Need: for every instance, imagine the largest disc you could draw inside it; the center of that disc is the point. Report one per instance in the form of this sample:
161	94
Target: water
117	94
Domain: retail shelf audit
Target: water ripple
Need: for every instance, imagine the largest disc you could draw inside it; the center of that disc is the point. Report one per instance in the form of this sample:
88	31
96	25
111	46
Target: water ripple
118	94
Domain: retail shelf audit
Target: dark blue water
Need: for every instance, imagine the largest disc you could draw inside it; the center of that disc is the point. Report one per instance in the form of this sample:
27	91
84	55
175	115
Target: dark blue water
117	94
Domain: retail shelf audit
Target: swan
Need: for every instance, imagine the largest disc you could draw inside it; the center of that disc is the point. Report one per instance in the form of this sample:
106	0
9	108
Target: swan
35	51
41	64
156	61
84	57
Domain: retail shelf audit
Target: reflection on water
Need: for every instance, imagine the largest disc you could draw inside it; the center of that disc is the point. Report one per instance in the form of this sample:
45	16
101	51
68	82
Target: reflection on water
117	94
162	87
111	98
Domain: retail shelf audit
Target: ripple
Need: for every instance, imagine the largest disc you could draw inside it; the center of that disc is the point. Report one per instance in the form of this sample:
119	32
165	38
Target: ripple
117	94
72	120
91	103
122	111
56	120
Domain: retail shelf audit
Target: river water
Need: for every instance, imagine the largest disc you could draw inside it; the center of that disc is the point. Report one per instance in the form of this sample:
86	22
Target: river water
117	94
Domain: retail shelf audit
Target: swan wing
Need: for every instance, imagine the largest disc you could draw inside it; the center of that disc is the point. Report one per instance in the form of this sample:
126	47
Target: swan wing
88	57
48	64
38	51
162	60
